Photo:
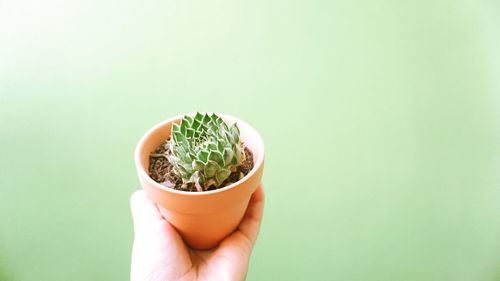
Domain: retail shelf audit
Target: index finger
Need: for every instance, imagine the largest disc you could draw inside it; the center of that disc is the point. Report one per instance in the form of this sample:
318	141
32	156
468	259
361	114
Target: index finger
250	224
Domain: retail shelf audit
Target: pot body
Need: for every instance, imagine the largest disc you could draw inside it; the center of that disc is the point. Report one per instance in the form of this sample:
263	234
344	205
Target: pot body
202	218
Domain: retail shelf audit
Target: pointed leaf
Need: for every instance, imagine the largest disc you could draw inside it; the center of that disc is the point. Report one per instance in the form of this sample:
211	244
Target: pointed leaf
176	128
212	146
178	151
203	128
230	138
196	124
189	119
228	155
221	176
206	118
198	116
195	177
235	132
214	117
211	168
202	178
189	132
182	171
187	158
192	155
202	156
220	146
222	134
213	127
217	157
223	127
173	159
184	126
178	137
237	154
187	166
209	182
198	165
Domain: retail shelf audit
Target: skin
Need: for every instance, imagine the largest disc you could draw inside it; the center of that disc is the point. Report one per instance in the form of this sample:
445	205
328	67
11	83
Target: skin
160	254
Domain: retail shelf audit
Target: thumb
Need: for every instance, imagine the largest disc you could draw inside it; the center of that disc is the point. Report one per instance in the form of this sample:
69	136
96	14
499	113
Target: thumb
144	211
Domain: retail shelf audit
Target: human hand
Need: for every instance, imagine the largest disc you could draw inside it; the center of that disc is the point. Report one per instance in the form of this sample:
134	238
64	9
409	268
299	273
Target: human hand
160	254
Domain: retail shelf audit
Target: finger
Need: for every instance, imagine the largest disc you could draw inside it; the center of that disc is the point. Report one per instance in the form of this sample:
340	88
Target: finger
158	252
144	210
250	224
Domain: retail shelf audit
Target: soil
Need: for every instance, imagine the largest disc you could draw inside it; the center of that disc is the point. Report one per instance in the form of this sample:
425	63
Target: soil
162	171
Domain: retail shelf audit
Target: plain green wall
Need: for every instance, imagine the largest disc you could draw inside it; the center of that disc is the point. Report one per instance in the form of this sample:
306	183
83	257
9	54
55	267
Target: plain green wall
381	121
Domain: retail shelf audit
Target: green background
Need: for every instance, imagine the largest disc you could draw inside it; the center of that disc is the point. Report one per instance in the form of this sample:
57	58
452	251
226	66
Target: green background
381	121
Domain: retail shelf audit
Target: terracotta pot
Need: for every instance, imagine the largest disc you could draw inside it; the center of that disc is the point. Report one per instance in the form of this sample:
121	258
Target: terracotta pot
202	218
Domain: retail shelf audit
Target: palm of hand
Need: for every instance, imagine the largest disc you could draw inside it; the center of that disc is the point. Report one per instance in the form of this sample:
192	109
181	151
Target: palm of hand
159	253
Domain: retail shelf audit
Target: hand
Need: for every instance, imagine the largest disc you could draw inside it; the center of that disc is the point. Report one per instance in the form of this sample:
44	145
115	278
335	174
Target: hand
160	254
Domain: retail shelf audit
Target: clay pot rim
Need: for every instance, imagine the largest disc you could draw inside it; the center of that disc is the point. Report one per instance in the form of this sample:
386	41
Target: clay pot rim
257	162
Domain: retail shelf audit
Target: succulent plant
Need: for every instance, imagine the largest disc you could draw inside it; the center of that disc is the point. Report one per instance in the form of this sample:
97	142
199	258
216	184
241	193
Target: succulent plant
204	150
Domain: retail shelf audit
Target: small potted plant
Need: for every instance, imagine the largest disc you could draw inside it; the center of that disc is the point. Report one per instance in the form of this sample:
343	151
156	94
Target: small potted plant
201	170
